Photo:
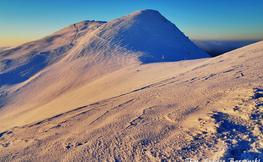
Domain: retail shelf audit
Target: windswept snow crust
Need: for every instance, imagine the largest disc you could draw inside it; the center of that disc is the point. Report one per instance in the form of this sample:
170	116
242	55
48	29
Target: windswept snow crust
109	91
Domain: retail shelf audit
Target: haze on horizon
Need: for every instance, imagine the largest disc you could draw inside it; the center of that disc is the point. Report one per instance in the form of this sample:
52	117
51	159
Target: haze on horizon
24	21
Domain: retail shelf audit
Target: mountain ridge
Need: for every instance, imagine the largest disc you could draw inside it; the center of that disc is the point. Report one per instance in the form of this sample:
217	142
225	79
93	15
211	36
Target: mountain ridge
38	72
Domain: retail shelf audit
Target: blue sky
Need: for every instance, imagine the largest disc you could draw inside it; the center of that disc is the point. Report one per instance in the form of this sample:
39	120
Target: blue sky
26	20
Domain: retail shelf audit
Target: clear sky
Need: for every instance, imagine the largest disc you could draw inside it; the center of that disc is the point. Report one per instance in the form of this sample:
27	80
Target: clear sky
26	20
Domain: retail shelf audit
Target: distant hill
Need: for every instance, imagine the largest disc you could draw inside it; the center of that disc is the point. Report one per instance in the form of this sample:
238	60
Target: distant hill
216	48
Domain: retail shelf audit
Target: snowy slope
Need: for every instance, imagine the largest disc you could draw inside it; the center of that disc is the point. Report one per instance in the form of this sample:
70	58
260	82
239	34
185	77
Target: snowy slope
95	99
21	63
200	109
38	72
146	33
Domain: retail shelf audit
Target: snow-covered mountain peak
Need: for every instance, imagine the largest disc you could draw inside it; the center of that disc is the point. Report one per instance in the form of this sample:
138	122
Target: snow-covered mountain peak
149	32
146	12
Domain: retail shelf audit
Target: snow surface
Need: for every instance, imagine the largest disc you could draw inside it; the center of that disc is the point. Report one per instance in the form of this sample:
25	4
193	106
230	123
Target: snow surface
85	93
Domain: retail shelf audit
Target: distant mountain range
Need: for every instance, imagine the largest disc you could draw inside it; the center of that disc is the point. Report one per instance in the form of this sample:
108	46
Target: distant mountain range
215	48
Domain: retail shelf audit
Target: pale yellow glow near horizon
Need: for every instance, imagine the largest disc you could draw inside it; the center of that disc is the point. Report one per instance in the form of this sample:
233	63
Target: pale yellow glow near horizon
16	41
12	42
